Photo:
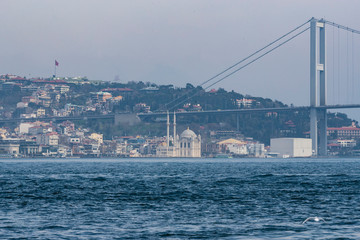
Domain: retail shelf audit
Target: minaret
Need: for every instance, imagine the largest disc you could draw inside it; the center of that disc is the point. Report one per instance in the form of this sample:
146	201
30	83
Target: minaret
167	133
174	141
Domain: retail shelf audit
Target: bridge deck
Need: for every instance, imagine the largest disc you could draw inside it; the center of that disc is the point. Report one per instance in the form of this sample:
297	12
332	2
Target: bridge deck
160	114
250	110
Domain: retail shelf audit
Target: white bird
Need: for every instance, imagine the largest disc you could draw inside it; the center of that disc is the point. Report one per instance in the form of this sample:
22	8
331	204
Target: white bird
316	219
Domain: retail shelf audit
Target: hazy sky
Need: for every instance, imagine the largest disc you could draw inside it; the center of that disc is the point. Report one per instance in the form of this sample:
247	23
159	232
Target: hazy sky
166	41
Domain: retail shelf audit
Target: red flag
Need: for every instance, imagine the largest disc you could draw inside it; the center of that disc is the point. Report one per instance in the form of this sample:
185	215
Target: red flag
56	63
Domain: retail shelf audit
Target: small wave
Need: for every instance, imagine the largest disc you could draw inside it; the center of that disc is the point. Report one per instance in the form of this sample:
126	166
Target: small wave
99	179
263	175
50	180
338	175
53	227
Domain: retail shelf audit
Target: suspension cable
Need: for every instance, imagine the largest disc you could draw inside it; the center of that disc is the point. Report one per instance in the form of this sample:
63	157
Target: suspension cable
274	48
354	31
247	64
244	59
341	26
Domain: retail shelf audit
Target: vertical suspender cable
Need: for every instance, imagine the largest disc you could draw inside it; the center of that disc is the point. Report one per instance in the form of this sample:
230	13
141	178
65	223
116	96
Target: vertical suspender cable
338	65
358	67
355	71
333	66
352	67
347	92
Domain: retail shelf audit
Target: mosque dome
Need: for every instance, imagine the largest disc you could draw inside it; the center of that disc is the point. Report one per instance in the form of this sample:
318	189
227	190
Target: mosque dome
188	134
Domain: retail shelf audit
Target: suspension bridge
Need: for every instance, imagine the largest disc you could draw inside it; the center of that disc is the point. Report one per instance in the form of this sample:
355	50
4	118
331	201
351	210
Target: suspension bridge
319	68
343	82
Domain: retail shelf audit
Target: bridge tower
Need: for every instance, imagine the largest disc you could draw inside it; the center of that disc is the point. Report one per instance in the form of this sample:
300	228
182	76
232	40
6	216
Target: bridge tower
318	117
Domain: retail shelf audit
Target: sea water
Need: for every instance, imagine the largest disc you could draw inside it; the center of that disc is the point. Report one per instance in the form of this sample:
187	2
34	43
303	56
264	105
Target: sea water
179	198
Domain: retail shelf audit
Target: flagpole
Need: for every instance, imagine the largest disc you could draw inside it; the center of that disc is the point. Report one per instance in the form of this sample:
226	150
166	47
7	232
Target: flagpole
56	64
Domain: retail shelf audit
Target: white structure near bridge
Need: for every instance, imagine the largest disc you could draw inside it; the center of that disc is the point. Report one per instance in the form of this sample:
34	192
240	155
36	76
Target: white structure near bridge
291	147
187	145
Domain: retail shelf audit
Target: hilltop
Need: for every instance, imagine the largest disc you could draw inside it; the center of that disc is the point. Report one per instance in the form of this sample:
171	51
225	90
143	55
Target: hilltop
22	97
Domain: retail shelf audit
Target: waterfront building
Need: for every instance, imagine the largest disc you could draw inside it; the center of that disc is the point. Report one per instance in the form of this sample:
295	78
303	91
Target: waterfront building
291	147
49	139
344	132
256	149
28	148
64	151
188	144
10	146
233	146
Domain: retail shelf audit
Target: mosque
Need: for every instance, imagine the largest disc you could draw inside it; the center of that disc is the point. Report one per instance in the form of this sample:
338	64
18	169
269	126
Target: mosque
187	145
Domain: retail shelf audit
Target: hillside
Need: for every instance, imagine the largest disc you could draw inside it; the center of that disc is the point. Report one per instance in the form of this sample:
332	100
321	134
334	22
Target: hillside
71	97
259	126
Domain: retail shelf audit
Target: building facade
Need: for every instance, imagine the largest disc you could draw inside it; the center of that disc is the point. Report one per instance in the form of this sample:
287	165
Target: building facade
291	147
188	144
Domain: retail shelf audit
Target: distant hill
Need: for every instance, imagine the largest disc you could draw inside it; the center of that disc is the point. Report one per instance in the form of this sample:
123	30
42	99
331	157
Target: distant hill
143	97
260	126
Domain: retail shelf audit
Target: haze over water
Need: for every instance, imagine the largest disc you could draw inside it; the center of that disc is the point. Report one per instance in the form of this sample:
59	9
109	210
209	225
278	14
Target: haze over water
179	199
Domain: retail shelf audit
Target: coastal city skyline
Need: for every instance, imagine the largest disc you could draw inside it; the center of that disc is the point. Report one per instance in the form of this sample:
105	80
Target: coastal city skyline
78	117
182	119
166	43
333	83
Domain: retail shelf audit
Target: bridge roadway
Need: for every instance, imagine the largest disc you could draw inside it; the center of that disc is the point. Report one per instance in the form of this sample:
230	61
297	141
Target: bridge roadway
145	116
248	110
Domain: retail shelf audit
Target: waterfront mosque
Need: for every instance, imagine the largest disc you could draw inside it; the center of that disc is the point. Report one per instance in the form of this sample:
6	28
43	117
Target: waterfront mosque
187	145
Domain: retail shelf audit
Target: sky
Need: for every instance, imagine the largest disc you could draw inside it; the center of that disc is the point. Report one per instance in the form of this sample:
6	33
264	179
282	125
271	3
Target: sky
175	42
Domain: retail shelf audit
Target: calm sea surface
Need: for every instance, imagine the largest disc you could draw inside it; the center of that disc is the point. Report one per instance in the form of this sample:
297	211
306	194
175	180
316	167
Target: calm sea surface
179	199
